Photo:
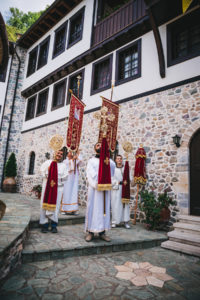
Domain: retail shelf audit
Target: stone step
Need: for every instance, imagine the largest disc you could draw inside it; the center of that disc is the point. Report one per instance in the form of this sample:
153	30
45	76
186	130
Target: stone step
183	248
70	241
189	219
62	221
184	237
186	227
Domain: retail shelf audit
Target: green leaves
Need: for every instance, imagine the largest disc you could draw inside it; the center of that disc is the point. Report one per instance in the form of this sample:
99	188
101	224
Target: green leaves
11	166
152	207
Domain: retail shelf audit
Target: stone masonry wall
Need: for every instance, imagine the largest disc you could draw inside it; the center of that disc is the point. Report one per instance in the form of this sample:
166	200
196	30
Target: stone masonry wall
18	113
152	121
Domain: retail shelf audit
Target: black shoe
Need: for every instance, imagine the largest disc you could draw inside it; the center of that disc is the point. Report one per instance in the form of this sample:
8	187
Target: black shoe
54	230
44	230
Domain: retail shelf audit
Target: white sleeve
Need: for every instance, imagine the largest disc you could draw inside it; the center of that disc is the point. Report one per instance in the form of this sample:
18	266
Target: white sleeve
63	176
92	175
79	160
44	168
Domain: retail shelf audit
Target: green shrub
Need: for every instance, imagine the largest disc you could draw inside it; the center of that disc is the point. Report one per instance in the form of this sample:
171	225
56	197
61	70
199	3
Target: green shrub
152	207
11	166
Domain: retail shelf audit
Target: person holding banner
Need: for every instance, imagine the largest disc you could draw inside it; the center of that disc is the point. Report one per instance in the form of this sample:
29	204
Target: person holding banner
70	194
120	211
54	174
99	171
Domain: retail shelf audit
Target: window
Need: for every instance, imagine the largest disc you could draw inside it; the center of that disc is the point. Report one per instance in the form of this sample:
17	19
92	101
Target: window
73	85
43	53
101	75
30	111
128	63
42	103
76	27
183	38
32	61
59	94
31	163
59	41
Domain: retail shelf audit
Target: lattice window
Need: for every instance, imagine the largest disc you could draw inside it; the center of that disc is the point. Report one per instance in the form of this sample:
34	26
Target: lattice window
59	94
30	111
42	102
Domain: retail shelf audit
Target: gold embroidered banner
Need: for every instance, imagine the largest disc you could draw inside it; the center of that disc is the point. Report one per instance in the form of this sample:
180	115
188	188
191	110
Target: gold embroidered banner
113	109
75	123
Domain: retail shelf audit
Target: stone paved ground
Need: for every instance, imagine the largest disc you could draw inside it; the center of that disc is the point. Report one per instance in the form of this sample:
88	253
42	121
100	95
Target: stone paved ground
93	277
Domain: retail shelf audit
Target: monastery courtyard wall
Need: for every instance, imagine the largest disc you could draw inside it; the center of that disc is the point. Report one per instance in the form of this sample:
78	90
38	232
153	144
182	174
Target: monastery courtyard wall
150	120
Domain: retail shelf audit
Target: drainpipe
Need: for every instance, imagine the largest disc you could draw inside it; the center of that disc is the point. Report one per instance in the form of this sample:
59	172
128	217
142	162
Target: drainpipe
11	116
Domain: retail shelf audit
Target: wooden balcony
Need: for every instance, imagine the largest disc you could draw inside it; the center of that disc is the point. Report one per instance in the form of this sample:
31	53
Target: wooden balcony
125	16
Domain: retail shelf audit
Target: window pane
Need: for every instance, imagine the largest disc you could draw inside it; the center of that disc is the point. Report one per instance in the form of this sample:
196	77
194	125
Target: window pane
128	63
59	43
31	163
102	75
42	102
30	108
32	62
43	55
59	94
76	28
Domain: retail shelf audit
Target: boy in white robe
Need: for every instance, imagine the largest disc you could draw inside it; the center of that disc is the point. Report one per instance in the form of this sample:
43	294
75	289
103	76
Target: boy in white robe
95	220
70	194
120	211
48	215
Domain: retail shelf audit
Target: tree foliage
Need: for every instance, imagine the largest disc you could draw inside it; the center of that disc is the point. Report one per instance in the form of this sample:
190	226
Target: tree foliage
11	166
12	33
19	21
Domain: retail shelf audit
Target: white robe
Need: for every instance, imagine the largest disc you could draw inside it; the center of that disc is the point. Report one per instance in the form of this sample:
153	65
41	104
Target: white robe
120	212
46	215
95	221
70	193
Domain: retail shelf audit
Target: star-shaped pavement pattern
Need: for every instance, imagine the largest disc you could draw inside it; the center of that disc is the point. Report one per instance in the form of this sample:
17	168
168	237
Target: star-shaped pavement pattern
143	273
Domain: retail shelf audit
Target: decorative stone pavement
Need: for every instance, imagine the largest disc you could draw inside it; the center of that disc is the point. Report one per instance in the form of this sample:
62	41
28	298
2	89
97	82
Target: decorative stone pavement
94	277
143	273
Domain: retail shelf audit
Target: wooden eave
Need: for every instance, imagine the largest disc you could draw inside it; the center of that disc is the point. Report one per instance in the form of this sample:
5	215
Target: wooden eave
58	10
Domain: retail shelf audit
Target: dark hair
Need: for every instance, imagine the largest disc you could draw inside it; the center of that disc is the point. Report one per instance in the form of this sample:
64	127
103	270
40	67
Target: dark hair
95	145
119	155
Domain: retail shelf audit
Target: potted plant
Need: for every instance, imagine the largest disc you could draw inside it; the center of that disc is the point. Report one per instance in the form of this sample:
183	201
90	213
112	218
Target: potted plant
165	201
150	206
9	183
38	190
156	209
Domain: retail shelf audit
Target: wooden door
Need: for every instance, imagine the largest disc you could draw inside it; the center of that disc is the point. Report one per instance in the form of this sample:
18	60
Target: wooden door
195	175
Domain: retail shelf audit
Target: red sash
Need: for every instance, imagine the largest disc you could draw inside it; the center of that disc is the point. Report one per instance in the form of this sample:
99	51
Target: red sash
126	184
50	195
104	175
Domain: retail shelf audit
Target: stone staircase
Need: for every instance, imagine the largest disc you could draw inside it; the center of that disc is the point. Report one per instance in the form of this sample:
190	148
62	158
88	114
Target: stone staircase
185	237
70	240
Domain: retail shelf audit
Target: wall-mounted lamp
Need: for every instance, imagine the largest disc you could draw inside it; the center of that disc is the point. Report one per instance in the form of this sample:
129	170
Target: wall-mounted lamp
47	155
176	140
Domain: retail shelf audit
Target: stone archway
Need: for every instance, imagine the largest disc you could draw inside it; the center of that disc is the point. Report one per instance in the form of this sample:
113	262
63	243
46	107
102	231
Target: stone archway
194	150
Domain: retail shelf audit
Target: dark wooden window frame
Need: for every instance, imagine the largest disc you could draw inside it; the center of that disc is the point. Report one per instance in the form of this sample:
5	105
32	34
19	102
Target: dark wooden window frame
47	40
63	100
120	81
180	24
34	50
31	163
29	118
80	12
95	91
64	25
38	99
82	71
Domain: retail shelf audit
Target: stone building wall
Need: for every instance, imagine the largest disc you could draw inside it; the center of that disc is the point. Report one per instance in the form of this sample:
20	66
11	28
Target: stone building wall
18	112
150	120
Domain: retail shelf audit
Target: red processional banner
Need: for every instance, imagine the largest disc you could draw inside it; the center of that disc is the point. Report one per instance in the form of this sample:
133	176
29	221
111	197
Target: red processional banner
75	123
113	108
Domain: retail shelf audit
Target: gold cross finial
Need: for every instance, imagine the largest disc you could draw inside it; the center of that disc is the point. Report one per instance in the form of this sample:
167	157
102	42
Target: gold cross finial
52	183
125	182
106	161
